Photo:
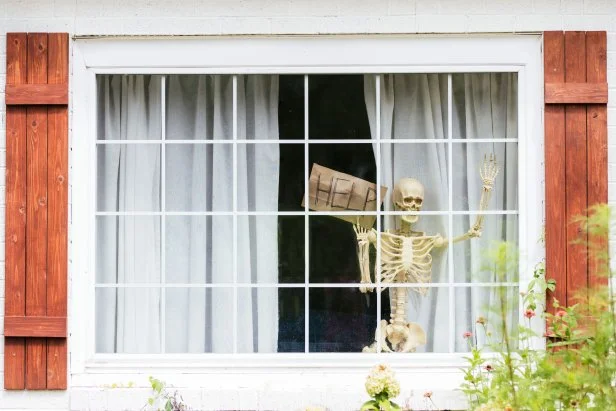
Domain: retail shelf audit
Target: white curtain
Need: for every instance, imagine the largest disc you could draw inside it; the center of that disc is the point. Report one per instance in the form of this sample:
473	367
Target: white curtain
414	106
199	249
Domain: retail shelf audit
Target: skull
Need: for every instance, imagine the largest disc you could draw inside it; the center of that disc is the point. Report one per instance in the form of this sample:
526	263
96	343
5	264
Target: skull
408	196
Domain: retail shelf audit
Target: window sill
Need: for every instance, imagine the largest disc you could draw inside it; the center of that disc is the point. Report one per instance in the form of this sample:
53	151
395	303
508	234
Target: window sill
246	362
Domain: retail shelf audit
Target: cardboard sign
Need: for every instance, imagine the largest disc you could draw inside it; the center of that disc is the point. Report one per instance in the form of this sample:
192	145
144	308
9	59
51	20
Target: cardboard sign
331	190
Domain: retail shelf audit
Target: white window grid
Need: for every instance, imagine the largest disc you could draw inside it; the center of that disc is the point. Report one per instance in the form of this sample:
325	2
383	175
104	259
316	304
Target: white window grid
451	284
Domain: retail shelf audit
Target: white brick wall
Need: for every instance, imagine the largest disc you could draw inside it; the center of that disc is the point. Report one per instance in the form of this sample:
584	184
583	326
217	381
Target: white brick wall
164	17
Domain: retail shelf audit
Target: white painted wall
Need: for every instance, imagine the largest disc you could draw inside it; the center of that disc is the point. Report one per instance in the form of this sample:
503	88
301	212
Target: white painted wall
222	17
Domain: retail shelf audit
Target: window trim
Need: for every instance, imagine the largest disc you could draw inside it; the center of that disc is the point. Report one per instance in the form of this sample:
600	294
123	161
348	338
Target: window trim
285	54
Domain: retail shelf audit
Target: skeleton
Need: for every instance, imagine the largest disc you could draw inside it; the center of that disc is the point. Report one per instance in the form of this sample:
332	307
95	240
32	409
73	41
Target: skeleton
406	258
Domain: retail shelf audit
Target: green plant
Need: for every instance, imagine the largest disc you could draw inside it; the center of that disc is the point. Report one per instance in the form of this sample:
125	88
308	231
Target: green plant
381	386
170	401
577	371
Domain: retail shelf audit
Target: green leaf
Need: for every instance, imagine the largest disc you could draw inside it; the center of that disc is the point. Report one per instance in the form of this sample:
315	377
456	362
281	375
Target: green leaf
385	405
370	406
151	401
157	385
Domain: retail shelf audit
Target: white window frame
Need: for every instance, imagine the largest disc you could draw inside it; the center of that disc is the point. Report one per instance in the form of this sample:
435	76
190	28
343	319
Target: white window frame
285	55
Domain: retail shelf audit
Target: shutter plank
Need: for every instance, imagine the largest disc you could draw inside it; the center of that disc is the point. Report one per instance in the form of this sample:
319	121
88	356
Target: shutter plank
57	189
596	130
15	229
556	220
36	224
575	165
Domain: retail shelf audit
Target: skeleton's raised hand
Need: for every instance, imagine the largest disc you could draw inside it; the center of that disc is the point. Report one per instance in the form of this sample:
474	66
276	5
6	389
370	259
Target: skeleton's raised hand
488	171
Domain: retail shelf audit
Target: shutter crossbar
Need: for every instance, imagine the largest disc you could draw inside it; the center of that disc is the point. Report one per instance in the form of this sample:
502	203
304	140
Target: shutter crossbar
47	327
575	93
36	94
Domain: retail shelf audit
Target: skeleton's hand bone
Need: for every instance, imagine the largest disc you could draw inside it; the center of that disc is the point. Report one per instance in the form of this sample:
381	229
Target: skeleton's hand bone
489	170
475	231
366	288
383	337
364	235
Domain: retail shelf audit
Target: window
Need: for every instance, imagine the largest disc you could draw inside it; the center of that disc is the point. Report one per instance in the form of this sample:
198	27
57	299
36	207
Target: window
200	240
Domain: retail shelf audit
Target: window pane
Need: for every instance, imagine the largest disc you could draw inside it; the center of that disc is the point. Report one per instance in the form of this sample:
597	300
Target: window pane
291	107
427	163
291	184
199	177
199	107
354	159
333	251
291	249
199	320
342	178
336	107
129	107
199	249
128	177
413	106
469	255
257	107
128	320
270	177
341	319
270	249
485	105
270	320
468	162
493	304
128	249
427	312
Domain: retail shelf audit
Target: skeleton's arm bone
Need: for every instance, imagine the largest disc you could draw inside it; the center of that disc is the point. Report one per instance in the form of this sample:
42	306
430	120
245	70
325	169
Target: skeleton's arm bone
488	172
364	239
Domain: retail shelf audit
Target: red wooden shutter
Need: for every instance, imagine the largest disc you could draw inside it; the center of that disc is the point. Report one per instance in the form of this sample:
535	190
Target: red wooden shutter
575	68
35	348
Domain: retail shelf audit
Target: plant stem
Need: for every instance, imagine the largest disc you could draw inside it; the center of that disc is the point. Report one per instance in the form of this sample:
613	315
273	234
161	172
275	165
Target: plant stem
508	362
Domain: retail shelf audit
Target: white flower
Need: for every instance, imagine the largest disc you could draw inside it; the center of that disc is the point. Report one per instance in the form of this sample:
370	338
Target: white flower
382	379
374	386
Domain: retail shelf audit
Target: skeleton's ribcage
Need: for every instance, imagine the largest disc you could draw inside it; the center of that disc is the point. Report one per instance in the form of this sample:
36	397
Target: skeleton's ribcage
406	259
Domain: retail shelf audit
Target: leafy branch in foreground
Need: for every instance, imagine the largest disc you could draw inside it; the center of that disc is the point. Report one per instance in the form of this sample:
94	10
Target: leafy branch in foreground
577	371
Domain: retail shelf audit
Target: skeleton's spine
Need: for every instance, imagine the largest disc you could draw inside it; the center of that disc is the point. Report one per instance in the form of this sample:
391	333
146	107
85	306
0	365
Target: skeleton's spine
400	316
